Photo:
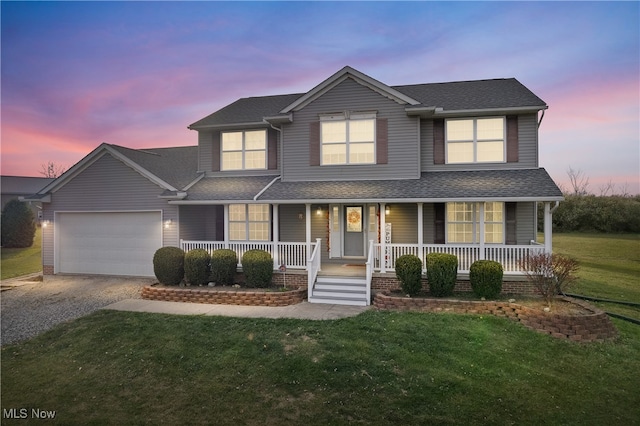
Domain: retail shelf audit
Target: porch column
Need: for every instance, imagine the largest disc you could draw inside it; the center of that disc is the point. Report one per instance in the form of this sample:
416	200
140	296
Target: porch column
276	236
383	244
307	218
226	225
547	228
420	226
481	213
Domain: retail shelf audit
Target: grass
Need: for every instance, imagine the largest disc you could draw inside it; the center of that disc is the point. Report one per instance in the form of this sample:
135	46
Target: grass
377	368
609	267
15	262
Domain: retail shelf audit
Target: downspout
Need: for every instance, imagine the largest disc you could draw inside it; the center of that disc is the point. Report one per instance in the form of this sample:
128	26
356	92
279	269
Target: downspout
541	117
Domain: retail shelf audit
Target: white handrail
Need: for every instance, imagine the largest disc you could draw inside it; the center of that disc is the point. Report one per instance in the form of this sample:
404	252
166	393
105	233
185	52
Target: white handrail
369	266
313	266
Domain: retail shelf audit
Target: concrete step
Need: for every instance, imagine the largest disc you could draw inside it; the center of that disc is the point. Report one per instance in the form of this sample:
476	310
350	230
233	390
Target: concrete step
338	301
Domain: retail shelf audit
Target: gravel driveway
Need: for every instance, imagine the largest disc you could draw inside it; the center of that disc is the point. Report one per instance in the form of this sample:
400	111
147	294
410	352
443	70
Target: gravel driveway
29	308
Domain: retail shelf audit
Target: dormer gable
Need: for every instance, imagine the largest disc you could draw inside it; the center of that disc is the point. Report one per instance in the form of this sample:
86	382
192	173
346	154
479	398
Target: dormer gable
339	77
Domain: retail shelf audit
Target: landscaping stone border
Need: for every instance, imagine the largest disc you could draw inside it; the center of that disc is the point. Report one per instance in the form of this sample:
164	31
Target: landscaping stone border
224	297
594	327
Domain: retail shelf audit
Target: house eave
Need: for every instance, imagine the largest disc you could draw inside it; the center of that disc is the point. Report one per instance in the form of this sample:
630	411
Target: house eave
279	119
248	125
39	198
370	200
439	112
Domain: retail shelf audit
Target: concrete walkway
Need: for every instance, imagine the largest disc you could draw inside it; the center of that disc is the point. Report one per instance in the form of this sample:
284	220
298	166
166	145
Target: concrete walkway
304	310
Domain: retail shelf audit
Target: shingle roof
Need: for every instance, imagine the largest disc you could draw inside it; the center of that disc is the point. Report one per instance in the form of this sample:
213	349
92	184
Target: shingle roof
460	95
23	185
459	185
455	185
176	166
242	188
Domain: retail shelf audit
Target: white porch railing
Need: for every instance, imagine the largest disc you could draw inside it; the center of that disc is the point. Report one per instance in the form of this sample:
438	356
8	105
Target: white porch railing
508	256
314	266
293	255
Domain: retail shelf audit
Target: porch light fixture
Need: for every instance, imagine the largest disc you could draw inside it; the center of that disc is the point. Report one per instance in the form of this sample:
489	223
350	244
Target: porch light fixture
45	223
387	210
167	223
319	211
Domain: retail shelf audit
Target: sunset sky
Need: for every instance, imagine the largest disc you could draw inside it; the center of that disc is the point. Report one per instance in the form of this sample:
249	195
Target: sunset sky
76	74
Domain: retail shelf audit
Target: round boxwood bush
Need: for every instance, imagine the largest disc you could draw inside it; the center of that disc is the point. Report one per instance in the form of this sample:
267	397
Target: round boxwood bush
409	272
196	266
257	266
442	271
486	278
224	264
18	225
168	265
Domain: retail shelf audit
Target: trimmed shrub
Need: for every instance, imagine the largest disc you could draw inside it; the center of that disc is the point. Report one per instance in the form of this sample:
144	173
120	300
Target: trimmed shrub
257	266
196	266
18	225
224	264
168	265
409	272
442	271
486	278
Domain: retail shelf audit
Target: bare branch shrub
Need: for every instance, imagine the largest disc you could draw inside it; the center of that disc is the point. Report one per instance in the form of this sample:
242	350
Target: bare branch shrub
51	170
551	274
579	181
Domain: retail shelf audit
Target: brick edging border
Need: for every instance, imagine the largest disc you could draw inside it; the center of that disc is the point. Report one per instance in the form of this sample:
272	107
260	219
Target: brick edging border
594	327
211	296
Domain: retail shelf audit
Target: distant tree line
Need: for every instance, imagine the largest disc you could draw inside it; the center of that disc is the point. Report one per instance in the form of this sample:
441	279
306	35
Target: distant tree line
614	210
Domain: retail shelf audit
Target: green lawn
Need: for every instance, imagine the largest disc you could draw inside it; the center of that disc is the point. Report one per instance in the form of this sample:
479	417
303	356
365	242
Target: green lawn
609	267
17	262
377	368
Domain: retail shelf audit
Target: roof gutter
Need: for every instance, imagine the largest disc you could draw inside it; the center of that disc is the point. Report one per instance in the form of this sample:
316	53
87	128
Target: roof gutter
439	112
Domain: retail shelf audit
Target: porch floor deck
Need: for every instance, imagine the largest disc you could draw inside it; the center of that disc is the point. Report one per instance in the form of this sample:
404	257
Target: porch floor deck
343	269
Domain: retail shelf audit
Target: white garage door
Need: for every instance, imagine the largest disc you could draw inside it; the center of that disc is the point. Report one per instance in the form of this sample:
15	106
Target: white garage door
121	243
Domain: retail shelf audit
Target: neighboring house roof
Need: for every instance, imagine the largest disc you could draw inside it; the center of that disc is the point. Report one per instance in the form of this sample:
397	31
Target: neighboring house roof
22	185
496	185
478	95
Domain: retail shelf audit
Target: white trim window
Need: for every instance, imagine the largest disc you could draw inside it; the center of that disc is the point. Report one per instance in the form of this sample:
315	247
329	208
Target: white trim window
463	222
348	138
244	150
475	140
249	222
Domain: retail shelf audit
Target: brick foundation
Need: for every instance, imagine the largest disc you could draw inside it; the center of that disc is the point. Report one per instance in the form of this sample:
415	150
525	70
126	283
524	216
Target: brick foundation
580	328
225	297
47	269
389	282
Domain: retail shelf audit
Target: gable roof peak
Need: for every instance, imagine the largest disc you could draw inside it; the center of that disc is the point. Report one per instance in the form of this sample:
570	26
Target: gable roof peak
339	77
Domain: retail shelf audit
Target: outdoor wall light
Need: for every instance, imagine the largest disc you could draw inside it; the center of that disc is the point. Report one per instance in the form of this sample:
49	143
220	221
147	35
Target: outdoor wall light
45	223
387	210
319	211
167	223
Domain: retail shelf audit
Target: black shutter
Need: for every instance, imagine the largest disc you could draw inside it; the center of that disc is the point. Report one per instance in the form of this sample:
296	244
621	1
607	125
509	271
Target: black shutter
314	143
272	149
510	223
512	139
438	142
382	141
215	154
439	223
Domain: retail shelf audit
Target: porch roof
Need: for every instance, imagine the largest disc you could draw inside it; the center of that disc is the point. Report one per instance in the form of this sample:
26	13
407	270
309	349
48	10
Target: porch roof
487	185
505	185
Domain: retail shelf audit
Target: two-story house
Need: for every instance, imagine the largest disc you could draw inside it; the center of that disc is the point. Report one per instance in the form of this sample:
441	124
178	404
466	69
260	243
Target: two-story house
340	180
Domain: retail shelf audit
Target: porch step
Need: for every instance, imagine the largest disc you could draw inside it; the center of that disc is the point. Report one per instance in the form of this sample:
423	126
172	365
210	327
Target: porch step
340	291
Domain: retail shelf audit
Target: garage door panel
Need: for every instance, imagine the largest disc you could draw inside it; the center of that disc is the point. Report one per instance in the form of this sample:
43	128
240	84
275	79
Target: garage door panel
119	243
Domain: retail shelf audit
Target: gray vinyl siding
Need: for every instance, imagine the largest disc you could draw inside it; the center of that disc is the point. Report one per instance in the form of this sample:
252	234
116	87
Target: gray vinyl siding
403	161
525	223
404	223
292	228
205	151
108	185
527	148
199	223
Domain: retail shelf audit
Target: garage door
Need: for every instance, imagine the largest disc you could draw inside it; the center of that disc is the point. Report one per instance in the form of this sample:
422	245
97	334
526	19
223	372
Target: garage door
121	243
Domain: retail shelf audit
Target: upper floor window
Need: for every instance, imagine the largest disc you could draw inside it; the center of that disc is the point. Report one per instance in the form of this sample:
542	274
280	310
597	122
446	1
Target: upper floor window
249	222
348	138
476	140
463	222
245	150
